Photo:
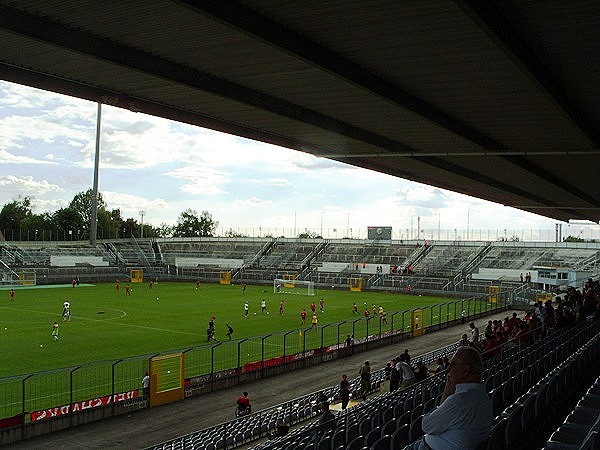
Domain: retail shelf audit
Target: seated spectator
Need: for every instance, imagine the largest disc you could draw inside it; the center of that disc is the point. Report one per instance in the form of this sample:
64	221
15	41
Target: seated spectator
506	325
321	398
439	366
326	421
420	372
281	429
464	341
492	347
523	336
560	319
464	418
496	325
446	362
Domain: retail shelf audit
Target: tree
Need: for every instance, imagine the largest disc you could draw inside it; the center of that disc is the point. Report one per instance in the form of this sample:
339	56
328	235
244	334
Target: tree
110	223
12	214
573	239
82	203
309	235
164	230
190	225
130	228
36	226
236	234
69	224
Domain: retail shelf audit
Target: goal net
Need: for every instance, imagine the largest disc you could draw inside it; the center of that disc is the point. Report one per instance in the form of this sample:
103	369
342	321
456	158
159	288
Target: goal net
292	286
12	278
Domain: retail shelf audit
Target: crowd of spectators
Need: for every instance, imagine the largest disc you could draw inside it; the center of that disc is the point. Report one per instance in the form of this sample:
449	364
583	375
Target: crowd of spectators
543	318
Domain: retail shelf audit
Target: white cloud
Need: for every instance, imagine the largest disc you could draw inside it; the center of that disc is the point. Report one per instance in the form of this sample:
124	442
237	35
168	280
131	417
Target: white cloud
10	158
253	202
200	180
165	167
25	185
131	205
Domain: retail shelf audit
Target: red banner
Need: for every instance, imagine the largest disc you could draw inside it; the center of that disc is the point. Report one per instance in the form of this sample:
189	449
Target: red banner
80	406
249	367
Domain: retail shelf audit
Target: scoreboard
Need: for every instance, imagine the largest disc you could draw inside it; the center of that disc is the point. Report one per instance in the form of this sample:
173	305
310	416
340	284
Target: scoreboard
379	233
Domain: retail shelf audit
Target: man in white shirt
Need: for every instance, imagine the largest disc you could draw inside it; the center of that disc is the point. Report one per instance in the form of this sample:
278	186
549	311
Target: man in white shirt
464	418
407	375
474	334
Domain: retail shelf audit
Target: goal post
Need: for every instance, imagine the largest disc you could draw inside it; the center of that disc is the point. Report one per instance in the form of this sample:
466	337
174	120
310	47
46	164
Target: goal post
27	278
289	286
12	278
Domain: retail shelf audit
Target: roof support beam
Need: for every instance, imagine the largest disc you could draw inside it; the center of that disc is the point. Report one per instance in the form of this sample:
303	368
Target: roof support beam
493	23
98	95
42	29
250	22
475	176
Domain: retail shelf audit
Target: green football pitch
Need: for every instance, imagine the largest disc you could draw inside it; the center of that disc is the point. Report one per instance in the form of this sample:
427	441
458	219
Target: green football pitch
106	346
107	324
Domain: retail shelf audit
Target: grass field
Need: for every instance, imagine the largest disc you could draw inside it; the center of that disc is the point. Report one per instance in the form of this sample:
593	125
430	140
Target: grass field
106	325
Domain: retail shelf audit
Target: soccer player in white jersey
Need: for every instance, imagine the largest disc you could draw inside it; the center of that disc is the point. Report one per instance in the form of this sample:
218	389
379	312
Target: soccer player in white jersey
66	311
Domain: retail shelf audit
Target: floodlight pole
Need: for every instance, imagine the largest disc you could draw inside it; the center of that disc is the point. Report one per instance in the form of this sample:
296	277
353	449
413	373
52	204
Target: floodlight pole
94	211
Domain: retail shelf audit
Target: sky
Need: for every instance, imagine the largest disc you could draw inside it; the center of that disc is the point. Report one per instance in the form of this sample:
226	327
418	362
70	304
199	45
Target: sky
162	167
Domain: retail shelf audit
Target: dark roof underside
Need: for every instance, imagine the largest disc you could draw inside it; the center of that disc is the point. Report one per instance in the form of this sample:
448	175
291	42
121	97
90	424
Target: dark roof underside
498	99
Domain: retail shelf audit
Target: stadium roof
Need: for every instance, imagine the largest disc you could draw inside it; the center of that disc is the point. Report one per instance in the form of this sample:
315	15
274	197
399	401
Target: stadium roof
495	99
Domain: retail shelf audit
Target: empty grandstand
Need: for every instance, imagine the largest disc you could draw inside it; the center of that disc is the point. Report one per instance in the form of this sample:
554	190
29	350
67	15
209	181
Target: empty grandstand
389	265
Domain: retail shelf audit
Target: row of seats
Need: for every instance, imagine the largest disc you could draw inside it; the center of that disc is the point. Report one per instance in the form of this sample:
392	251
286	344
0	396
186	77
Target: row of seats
581	427
391	421
524	408
388	419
